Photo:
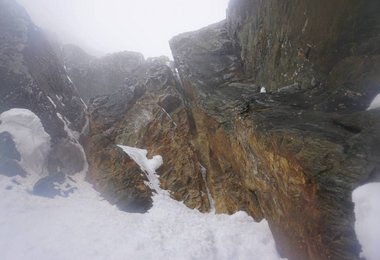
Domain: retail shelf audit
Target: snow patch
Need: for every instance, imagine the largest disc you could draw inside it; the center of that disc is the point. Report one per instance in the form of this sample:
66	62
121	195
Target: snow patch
84	103
210	199
69	79
52	102
367	214
31	140
375	103
73	135
149	166
168	115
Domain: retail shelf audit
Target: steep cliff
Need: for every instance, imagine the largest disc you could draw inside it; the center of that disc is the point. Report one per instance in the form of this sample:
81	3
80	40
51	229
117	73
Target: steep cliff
32	78
291	149
326	50
147	114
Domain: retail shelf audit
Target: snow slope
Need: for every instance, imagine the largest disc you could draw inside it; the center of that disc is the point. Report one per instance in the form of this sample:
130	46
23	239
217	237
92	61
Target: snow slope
367	214
85	226
375	103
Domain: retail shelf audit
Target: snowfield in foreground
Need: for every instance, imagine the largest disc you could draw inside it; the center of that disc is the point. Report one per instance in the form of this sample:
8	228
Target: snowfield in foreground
85	226
367	214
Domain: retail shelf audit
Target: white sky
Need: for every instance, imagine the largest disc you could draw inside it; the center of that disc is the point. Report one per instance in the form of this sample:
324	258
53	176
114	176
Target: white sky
105	26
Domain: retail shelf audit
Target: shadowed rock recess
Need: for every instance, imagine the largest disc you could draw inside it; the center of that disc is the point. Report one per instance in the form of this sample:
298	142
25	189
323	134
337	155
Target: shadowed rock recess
291	155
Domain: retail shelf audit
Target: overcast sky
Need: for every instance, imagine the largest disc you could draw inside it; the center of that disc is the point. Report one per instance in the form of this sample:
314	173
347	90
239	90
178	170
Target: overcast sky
107	26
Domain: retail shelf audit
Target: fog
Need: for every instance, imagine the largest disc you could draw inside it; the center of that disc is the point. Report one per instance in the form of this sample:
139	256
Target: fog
105	26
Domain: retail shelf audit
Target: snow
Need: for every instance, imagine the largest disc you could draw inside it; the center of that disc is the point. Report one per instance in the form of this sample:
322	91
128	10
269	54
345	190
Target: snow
85	226
375	103
30	138
73	135
169	116
52	102
68	77
204	177
367	214
147	165
84	103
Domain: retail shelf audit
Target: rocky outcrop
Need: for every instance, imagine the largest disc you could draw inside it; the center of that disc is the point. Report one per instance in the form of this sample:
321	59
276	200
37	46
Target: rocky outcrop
264	112
297	151
212	79
148	114
328	51
99	76
32	77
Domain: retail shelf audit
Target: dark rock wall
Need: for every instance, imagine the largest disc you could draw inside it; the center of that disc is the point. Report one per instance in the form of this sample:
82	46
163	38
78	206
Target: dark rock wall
32	77
297	151
317	47
213	82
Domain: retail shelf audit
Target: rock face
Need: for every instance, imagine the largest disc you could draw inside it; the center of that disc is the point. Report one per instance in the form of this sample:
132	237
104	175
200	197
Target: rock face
147	114
311	47
300	149
99	76
292	155
32	77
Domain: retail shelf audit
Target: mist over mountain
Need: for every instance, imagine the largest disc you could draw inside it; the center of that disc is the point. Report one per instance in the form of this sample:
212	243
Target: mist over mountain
101	27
